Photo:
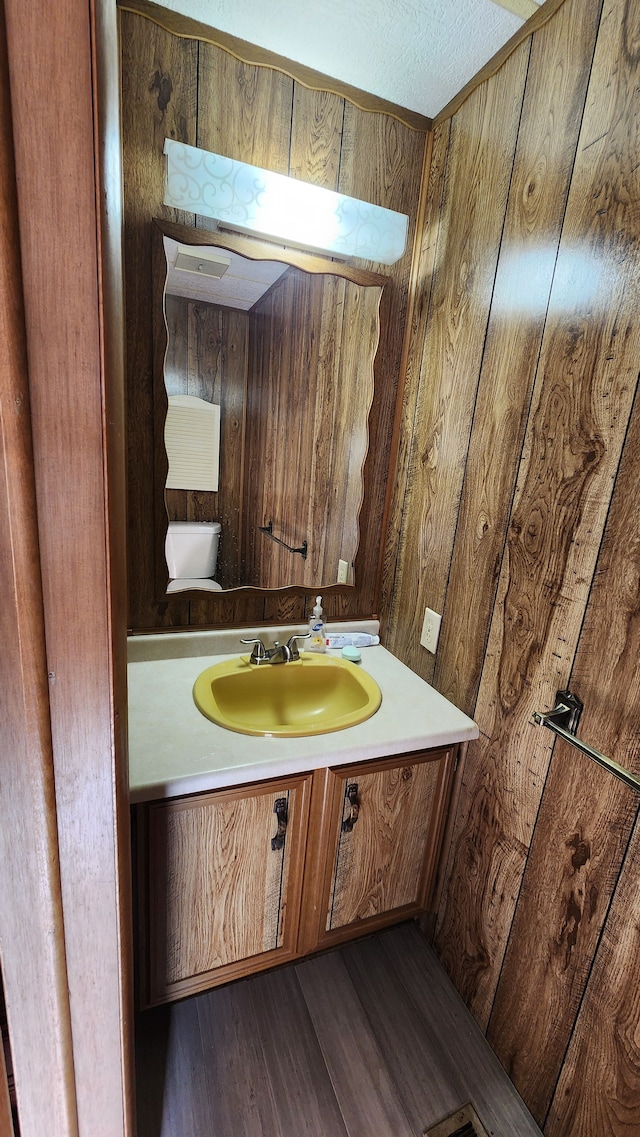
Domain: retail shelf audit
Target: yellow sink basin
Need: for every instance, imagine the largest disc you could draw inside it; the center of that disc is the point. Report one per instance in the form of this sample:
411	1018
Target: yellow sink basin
316	694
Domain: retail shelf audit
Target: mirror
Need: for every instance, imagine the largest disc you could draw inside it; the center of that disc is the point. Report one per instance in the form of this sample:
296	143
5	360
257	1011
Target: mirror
266	391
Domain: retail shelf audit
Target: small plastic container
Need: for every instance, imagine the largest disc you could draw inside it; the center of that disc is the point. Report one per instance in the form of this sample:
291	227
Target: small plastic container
316	628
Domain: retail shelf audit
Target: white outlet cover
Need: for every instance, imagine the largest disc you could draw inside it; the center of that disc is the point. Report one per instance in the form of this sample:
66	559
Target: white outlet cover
430	630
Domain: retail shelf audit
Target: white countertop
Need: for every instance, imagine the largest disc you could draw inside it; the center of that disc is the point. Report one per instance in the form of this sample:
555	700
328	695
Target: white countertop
174	749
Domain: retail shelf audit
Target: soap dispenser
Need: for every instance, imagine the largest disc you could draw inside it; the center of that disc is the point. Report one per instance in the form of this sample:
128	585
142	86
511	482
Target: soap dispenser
316	628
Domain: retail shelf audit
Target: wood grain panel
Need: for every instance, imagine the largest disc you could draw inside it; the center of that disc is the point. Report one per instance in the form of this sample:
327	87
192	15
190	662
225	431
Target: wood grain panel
581	404
392	180
380	862
599	1088
159	84
312	345
207	356
547	140
214	892
316	137
480	159
585	817
213	921
32	956
244	111
64	236
546	11
420	285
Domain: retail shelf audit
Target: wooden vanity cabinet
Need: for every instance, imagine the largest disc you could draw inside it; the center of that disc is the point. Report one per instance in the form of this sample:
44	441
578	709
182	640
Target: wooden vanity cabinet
222	894
376	834
219	887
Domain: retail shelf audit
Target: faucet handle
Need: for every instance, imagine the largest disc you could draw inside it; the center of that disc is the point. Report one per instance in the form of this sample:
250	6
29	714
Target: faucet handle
259	652
293	647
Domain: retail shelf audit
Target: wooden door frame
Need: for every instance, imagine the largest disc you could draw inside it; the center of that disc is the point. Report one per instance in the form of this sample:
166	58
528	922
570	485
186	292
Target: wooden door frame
65	933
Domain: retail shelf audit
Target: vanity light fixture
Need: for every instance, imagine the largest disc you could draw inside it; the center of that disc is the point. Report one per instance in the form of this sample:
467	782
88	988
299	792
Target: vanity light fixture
251	200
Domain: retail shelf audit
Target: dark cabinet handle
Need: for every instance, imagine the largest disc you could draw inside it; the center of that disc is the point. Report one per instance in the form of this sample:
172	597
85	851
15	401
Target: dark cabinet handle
352	798
281	811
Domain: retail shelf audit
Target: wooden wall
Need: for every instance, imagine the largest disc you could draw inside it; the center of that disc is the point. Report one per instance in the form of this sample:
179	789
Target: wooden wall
207	356
65	895
516	516
313	341
191	90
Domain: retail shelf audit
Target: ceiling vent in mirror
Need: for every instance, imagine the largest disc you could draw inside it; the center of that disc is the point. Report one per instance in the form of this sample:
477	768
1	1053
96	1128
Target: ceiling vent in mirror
203	261
251	200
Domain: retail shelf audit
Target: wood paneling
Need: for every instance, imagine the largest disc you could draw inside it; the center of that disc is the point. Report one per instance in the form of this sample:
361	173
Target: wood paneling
66	234
316	137
537	565
585	817
207	356
247	110
312	345
31	919
546	10
599	1087
547	139
478	172
159	79
424	254
571	452
258	115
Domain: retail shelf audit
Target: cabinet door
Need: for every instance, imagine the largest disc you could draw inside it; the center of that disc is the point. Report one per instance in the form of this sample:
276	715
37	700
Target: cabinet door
222	880
384	822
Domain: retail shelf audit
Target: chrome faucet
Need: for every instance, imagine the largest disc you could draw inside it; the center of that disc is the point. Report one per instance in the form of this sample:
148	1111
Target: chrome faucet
279	653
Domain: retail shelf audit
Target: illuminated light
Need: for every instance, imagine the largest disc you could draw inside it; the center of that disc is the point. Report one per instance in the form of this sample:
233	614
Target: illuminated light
251	200
530	281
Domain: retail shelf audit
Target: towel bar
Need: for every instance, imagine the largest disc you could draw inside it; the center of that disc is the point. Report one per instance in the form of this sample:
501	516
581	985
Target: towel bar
563	721
268	532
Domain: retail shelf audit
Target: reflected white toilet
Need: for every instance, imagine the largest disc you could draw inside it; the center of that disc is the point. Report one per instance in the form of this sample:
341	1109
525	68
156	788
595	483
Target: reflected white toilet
191	549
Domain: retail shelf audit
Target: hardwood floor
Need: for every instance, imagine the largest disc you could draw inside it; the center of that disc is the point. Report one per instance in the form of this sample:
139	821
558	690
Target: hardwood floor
369	1040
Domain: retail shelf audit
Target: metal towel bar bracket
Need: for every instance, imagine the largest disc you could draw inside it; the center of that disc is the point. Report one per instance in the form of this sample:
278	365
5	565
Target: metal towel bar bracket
563	720
268	532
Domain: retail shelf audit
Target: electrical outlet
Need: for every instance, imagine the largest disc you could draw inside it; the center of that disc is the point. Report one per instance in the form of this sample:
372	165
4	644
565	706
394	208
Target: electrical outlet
343	572
430	630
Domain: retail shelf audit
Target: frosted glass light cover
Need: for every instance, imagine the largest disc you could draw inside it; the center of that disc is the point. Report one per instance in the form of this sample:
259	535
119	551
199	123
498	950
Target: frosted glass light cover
260	202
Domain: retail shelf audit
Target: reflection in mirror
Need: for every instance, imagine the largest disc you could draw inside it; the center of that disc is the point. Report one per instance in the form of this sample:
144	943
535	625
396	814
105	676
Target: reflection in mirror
269	381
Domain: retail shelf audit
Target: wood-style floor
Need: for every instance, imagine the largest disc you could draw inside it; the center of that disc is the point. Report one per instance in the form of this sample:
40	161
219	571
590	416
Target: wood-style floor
369	1040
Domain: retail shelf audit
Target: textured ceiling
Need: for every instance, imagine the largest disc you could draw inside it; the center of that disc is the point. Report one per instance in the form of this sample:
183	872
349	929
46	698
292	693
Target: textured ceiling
242	285
417	53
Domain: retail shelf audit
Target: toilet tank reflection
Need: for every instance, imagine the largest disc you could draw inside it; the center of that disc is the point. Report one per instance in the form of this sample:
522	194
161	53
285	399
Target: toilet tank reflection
191	549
